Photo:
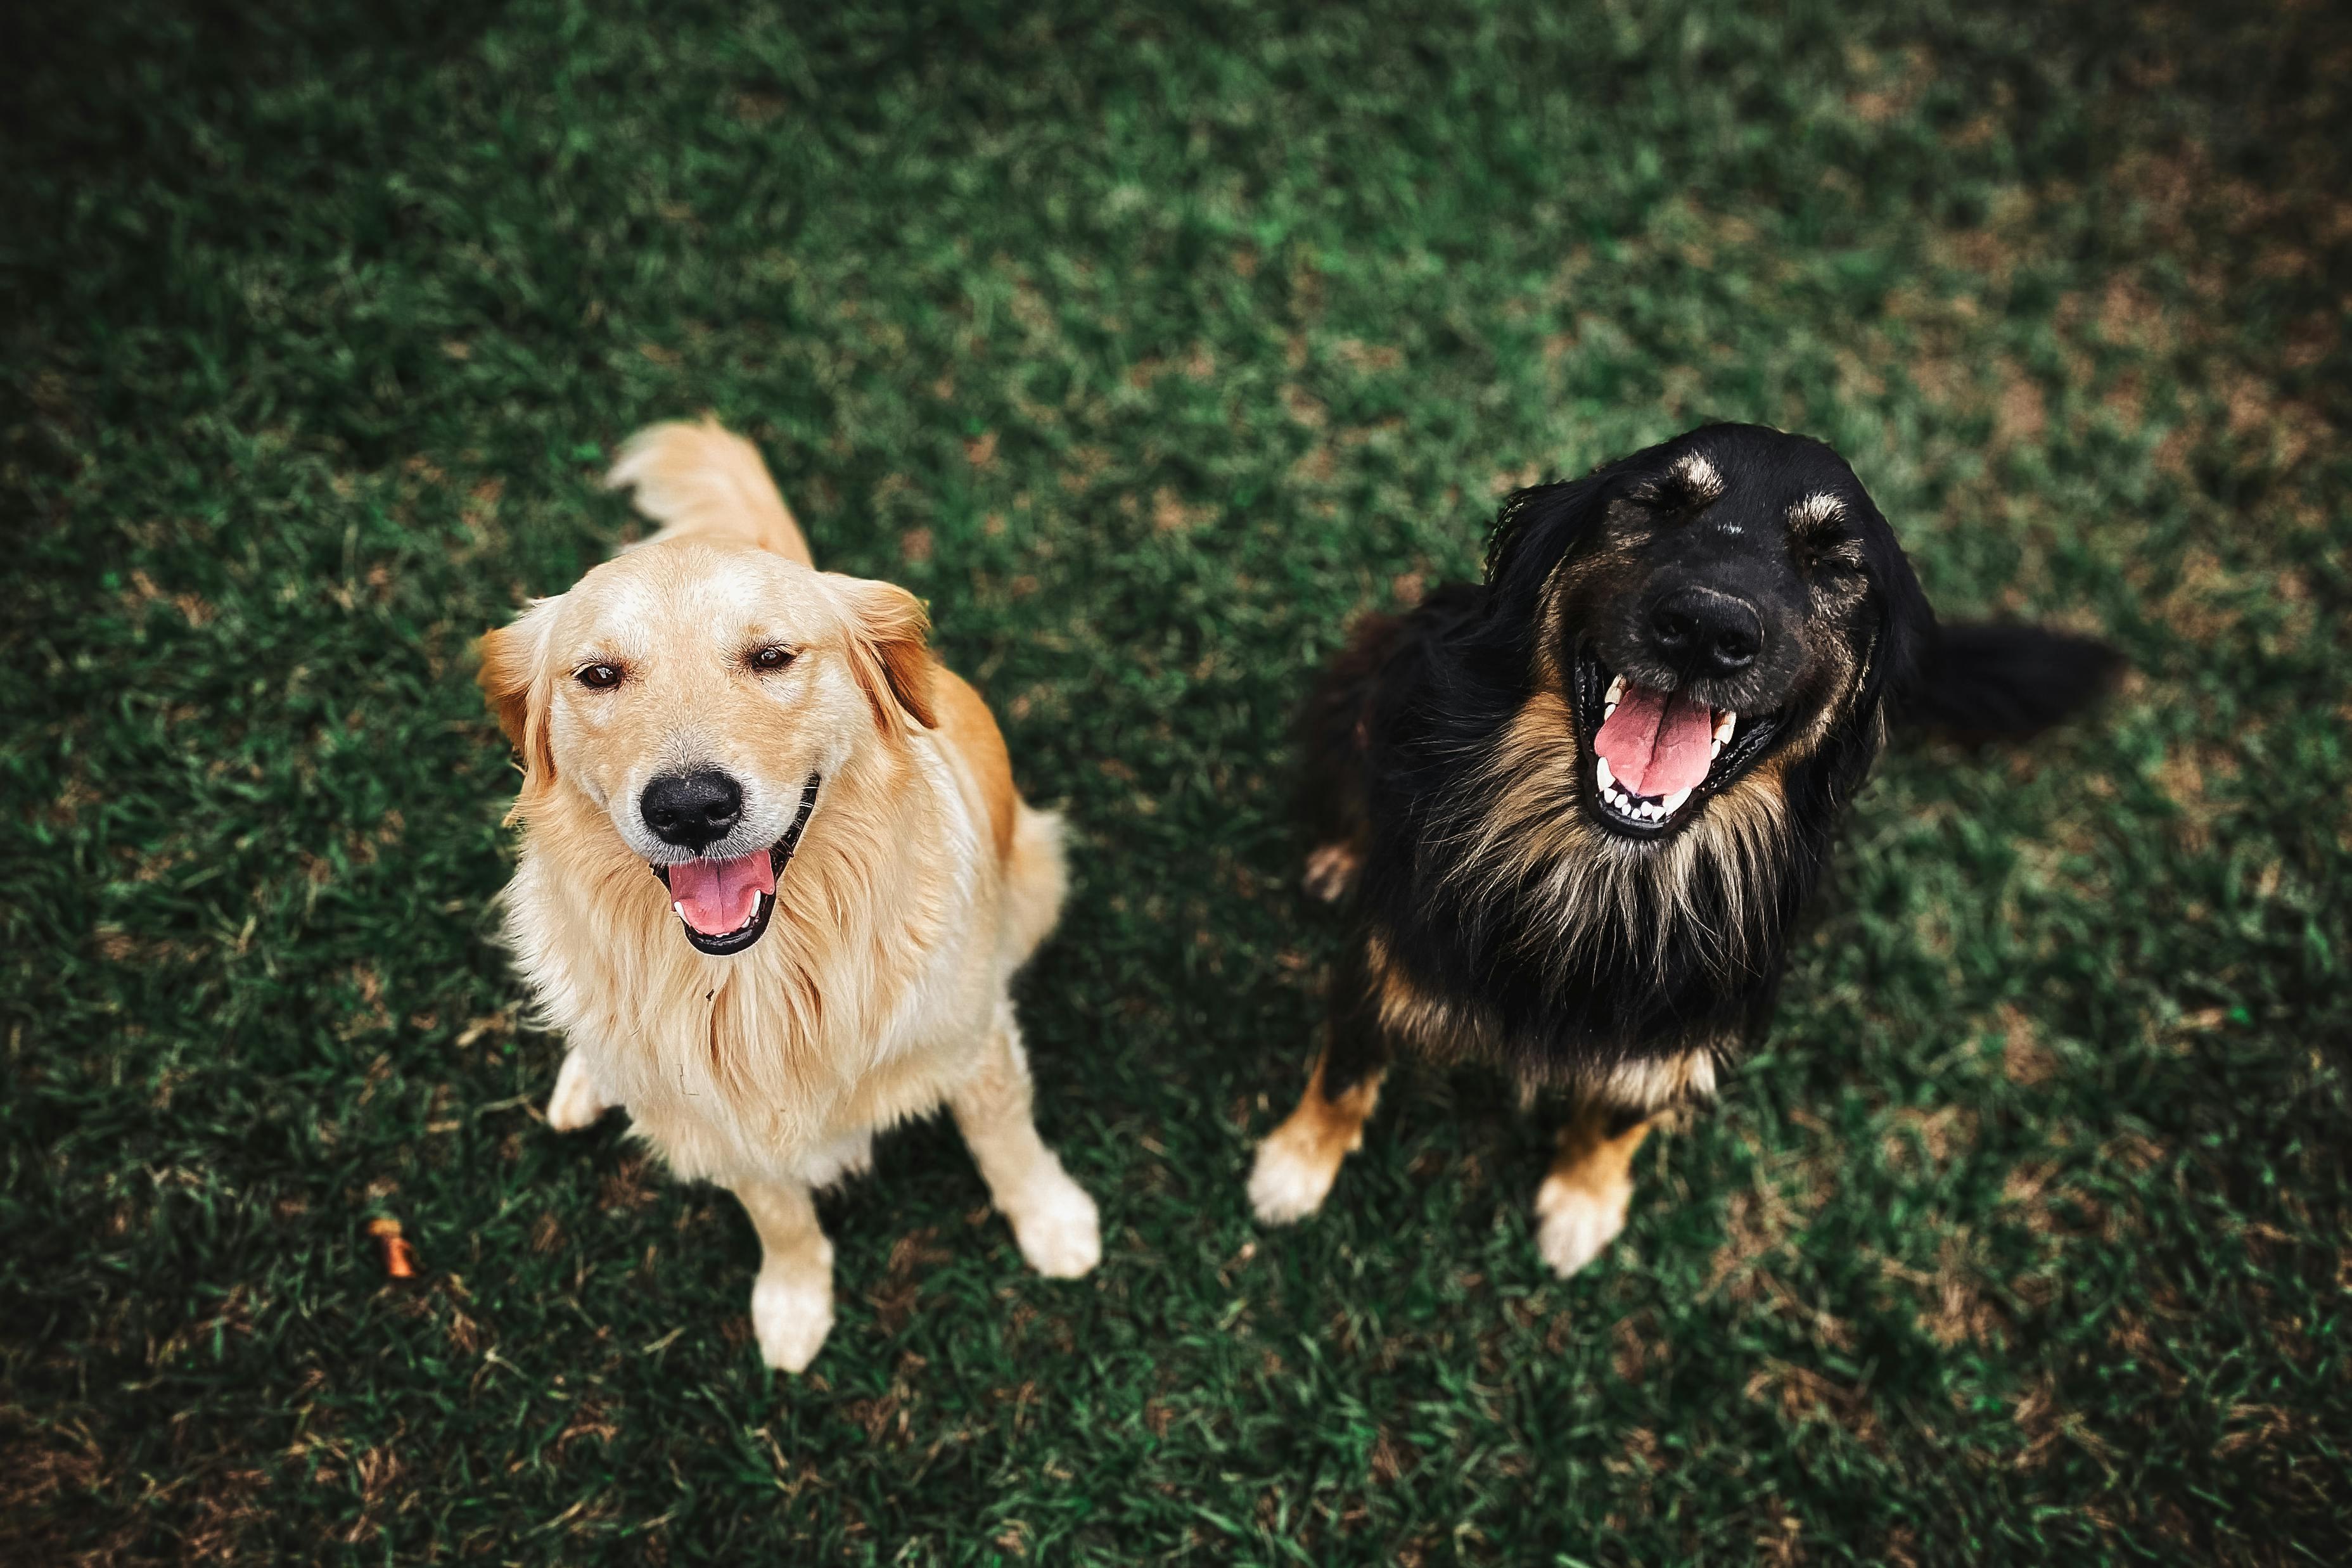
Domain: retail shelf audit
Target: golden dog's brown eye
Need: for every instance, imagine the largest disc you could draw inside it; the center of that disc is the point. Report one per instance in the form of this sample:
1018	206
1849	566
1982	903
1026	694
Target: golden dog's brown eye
599	677
770	658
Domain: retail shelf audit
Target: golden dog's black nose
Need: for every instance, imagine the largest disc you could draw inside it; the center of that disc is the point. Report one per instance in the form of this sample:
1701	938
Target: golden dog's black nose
1703	633
692	811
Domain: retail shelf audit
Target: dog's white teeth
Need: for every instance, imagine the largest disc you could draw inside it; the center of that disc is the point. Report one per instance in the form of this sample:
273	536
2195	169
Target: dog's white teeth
677	908
1607	710
1713	749
1600	771
1615	693
1674	801
1726	720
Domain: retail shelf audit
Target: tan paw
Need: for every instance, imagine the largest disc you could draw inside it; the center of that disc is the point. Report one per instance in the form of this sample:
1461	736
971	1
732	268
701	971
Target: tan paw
1293	1174
577	1101
1058	1227
1577	1223
1330	870
792	1313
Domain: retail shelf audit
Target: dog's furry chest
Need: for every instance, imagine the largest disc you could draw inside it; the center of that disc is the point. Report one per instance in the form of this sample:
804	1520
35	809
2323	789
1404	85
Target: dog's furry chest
745	1074
1508	930
1528	1000
856	1012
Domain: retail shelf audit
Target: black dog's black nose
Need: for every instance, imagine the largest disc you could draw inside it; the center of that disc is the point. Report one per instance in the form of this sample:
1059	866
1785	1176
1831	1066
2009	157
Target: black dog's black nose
1702	633
692	811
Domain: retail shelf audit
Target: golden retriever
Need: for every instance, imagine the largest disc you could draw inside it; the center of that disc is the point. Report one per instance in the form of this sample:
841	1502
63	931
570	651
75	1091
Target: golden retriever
774	878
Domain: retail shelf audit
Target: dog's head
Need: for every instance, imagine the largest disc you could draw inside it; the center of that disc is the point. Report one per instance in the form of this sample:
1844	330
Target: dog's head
697	695
1722	603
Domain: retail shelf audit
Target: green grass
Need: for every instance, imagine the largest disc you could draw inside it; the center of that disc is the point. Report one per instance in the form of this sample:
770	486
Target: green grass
1149	345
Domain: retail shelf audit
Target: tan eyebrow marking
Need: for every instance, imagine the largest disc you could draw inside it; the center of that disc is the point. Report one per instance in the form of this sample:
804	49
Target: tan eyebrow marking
1817	508
1702	477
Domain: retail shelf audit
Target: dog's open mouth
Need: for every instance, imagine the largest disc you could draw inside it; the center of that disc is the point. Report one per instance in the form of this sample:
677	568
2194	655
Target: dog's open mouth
1657	755
725	905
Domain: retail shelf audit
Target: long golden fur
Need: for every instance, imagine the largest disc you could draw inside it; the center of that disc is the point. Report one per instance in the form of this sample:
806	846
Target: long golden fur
917	885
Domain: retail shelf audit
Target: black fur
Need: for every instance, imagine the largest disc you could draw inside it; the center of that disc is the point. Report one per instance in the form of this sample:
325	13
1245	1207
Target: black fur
1399	739
2004	683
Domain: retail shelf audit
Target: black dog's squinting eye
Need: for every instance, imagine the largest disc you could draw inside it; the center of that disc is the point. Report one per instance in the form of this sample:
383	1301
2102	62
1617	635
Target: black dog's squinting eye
1669	495
598	677
769	658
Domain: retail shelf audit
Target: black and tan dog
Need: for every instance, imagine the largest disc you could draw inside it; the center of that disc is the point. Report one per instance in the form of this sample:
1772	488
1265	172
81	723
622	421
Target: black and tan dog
1577	809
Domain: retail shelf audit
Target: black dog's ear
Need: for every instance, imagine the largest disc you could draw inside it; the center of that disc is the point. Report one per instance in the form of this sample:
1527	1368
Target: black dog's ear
1534	533
1905	638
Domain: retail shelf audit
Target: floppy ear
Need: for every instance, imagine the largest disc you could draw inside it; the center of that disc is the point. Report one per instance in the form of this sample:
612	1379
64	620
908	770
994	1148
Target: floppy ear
890	649
1899	641
518	685
1535	529
1907	629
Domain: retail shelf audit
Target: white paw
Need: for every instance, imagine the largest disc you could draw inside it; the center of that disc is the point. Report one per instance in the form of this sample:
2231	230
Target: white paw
1577	1222
1292	1177
1057	1228
577	1101
1330	870
791	1311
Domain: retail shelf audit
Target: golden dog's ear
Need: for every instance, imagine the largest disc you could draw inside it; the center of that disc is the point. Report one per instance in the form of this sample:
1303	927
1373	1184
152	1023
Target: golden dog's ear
890	649
516	683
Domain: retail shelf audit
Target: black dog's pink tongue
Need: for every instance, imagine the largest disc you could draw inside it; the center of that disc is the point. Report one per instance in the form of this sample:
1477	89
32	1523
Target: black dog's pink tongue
717	896
1656	742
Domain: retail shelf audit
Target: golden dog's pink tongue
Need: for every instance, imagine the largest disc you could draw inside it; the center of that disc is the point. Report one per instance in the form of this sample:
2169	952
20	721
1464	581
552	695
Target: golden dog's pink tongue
1657	742
717	896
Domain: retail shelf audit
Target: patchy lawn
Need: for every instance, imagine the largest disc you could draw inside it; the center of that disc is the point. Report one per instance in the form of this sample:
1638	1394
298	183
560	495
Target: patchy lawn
1149	344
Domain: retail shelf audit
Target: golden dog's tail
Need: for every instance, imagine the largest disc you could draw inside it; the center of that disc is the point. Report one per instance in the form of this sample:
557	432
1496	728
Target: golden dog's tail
705	479
1036	879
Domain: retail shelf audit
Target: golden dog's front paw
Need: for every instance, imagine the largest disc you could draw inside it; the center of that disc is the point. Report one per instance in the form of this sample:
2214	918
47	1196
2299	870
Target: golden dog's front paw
577	1101
1577	1221
1296	1167
792	1313
1057	1228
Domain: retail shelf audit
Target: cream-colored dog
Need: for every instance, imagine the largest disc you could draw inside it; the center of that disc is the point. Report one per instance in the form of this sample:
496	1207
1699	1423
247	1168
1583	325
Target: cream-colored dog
775	877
